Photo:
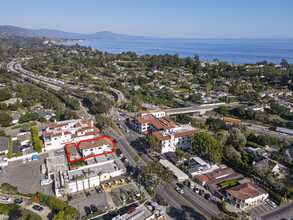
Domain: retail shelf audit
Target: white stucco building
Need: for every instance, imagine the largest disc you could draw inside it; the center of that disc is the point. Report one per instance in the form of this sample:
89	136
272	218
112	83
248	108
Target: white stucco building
96	146
171	134
244	195
97	171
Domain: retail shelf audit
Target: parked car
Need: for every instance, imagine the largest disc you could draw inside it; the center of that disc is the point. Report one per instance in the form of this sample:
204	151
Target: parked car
201	192
208	196
121	156
123	198
271	203
18	201
137	193
24	160
5	199
98	189
115	141
87	210
87	193
132	171
191	185
29	159
93	208
46	182
196	190
179	190
38	208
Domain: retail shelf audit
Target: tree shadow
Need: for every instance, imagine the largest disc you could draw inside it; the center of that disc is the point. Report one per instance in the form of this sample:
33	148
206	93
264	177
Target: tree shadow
185	212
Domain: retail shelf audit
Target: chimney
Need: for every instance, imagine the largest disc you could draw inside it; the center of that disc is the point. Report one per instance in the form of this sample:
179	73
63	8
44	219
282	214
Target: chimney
92	123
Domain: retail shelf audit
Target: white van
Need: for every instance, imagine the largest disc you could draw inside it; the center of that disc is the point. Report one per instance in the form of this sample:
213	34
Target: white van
191	185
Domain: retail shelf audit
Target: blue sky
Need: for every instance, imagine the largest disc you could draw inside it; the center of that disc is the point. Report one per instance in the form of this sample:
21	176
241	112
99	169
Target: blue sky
156	18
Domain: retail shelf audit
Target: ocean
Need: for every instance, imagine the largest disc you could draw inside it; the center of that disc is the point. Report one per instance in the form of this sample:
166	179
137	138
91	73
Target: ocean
239	51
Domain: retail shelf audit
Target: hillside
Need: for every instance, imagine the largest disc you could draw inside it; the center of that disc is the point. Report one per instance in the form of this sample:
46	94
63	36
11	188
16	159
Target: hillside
13	30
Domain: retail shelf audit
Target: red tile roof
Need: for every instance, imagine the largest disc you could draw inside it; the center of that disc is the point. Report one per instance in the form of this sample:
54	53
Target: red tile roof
186	133
245	191
95	143
161	137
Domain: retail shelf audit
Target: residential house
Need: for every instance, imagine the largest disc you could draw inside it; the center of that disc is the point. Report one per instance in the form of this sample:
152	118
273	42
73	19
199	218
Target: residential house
45	114
57	134
12	101
4	145
258	153
15	119
24	138
96	146
273	165
244	195
255	108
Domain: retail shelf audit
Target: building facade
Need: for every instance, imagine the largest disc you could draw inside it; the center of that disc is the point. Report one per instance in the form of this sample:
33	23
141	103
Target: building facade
171	134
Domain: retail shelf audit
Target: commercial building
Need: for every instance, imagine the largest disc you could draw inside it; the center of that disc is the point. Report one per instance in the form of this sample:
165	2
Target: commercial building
105	170
199	167
57	134
212	180
244	195
180	176
171	134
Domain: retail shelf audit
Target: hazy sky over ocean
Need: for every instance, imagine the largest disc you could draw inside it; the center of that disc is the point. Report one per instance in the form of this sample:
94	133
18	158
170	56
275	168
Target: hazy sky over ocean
156	18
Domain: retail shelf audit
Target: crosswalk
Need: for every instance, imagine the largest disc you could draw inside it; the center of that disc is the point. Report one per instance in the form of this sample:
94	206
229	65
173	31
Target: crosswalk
260	210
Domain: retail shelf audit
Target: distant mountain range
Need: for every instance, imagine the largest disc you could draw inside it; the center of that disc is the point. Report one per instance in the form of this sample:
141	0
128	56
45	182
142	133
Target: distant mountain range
13	30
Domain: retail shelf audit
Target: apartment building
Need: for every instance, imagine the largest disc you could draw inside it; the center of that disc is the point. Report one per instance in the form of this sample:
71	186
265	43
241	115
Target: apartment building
95	147
57	134
171	134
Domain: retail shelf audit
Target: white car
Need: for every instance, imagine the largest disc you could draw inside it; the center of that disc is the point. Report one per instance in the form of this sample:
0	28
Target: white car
179	190
29	159
5	199
46	182
24	160
271	203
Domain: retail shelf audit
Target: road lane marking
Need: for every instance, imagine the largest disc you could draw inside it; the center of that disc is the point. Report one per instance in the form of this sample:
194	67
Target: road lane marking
196	200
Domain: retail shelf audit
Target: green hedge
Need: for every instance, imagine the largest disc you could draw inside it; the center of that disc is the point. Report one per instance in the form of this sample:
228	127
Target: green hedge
229	183
36	139
10	148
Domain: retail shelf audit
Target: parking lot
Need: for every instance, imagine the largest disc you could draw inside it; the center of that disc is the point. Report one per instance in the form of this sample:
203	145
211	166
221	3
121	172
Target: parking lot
260	210
103	201
80	200
26	176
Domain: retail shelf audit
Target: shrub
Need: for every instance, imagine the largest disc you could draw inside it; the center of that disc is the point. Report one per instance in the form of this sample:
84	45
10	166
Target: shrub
162	203
57	205
9	189
6	208
232	214
151	192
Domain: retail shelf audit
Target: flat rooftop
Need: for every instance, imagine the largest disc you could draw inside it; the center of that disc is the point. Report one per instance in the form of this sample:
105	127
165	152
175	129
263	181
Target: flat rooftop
56	163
